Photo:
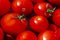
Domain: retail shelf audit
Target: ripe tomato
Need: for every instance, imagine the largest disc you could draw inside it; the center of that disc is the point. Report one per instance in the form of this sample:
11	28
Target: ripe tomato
56	17
53	27
4	6
13	23
1	34
27	35
37	1
44	9
56	2
39	23
47	35
22	6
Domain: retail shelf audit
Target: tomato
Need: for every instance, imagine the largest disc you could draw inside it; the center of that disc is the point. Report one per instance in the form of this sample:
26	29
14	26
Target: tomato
27	35
56	2
37	1
1	34
39	23
44	9
13	23
4	6
47	35
22	6
53	27
56	17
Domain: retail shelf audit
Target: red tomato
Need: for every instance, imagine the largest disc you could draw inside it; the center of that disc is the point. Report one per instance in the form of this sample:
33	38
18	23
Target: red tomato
1	34
56	2
27	35
44	9
53	27
22	6
47	35
56	17
39	23
4	6
37	1
13	23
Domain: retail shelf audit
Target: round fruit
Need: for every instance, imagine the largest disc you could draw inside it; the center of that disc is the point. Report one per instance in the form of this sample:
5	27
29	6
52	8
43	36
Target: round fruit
39	23
44	9
4	6
47	35
22	6
56	17
13	23
53	27
27	35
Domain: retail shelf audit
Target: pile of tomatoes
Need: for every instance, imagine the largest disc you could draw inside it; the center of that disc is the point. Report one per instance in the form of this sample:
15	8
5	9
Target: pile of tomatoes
29	19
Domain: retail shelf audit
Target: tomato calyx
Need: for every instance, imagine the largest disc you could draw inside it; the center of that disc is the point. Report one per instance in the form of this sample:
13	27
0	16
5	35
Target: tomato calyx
49	10
21	16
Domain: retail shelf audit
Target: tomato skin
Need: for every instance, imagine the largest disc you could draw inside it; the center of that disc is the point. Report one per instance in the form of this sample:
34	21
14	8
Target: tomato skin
53	27
22	6
27	35
1	34
41	9
12	25
56	17
39	23
4	7
56	2
47	35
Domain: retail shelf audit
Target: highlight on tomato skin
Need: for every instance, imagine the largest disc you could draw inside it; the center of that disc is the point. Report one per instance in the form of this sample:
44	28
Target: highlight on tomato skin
39	24
47	35
4	6
13	23
27	35
22	6
1	34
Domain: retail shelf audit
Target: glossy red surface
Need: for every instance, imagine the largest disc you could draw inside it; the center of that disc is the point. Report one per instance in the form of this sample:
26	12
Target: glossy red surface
13	25
22	6
39	23
27	35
